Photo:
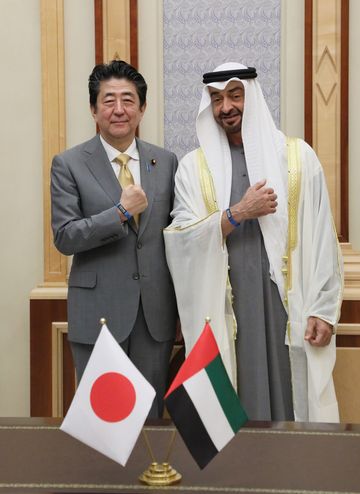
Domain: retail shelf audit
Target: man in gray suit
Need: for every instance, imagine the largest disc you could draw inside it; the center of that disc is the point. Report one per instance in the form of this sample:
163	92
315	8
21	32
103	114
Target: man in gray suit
108	211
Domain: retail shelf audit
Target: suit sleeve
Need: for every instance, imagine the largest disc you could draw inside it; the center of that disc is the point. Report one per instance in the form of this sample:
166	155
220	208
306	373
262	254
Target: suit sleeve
73	232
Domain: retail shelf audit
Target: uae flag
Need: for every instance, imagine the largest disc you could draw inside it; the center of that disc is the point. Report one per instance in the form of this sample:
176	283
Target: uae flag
111	402
202	401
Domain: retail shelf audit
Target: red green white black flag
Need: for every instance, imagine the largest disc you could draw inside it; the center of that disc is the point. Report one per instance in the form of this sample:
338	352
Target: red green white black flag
202	401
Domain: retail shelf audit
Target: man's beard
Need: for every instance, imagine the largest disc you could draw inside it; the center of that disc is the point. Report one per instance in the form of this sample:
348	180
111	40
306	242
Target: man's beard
230	128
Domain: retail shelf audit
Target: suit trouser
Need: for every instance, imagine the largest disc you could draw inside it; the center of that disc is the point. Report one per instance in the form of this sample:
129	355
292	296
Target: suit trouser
151	357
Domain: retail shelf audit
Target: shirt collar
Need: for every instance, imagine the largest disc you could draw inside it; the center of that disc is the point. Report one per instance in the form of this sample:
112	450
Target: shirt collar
113	153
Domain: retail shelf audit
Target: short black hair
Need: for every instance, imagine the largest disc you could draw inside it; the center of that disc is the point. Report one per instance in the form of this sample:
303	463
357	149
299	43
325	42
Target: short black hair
120	70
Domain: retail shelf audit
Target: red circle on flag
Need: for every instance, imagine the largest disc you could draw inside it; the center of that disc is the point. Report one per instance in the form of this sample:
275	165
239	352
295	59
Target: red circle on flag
112	397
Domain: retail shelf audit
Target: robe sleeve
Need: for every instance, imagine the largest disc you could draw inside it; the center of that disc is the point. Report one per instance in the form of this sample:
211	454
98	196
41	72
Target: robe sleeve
317	284
198	262
323	273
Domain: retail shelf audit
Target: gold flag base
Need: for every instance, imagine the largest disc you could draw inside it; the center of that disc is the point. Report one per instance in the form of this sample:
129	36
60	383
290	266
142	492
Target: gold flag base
160	474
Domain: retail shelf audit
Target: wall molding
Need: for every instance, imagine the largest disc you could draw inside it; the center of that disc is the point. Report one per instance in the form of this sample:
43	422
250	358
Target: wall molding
116	31
326	98
53	115
58	331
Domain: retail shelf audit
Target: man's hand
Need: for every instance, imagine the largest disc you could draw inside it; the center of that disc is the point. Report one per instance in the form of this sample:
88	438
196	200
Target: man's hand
318	332
257	201
134	199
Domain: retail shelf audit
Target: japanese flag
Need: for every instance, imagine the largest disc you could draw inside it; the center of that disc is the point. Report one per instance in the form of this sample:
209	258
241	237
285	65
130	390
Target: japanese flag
111	403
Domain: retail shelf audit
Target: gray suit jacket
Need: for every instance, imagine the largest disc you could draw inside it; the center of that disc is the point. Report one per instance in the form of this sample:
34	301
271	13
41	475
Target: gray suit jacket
114	264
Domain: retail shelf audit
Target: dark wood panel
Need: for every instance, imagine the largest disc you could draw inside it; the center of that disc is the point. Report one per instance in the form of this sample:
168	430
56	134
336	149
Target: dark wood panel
348	341
350	311
308	78
350	314
134	34
99	41
68	375
42	314
344	123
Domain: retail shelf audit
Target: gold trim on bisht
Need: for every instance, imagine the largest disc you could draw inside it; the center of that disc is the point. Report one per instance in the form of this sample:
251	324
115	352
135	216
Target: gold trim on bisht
206	183
294	186
209	197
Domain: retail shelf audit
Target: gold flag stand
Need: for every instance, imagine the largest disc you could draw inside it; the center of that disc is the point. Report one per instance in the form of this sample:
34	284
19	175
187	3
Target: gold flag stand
160	474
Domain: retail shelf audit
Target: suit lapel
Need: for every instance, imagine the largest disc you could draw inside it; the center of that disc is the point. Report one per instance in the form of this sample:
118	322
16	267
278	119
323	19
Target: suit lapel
147	177
100	166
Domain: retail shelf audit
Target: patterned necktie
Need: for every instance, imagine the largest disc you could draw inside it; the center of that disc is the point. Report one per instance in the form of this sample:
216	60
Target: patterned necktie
125	176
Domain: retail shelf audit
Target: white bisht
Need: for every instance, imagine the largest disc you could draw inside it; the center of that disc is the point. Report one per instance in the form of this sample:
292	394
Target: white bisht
198	258
198	262
111	402
316	290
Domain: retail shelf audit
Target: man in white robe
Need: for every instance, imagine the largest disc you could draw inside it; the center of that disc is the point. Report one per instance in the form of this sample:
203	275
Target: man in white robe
251	207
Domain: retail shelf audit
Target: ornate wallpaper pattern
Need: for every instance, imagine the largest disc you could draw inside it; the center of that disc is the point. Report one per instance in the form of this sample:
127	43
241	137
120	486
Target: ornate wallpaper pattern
201	34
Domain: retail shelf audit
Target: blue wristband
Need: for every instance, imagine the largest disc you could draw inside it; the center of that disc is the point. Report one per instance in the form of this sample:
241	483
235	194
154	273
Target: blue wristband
231	218
124	211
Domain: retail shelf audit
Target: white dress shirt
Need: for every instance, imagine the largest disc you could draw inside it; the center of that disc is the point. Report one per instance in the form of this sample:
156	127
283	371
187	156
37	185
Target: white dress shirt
133	163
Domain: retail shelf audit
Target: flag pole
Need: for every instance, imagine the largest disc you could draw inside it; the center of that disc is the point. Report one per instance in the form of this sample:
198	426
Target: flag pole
160	474
171	444
149	448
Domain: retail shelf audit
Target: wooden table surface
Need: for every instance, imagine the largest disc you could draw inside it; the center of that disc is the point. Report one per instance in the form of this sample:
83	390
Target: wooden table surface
277	458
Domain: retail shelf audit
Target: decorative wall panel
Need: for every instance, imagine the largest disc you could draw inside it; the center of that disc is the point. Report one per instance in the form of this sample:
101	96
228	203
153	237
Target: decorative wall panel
326	95
200	35
53	110
326	98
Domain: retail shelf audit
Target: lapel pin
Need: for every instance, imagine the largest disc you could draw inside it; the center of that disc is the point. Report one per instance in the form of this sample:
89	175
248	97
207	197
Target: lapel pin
153	162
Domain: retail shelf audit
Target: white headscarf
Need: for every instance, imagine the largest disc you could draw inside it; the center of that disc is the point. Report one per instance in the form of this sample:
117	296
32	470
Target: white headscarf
264	150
